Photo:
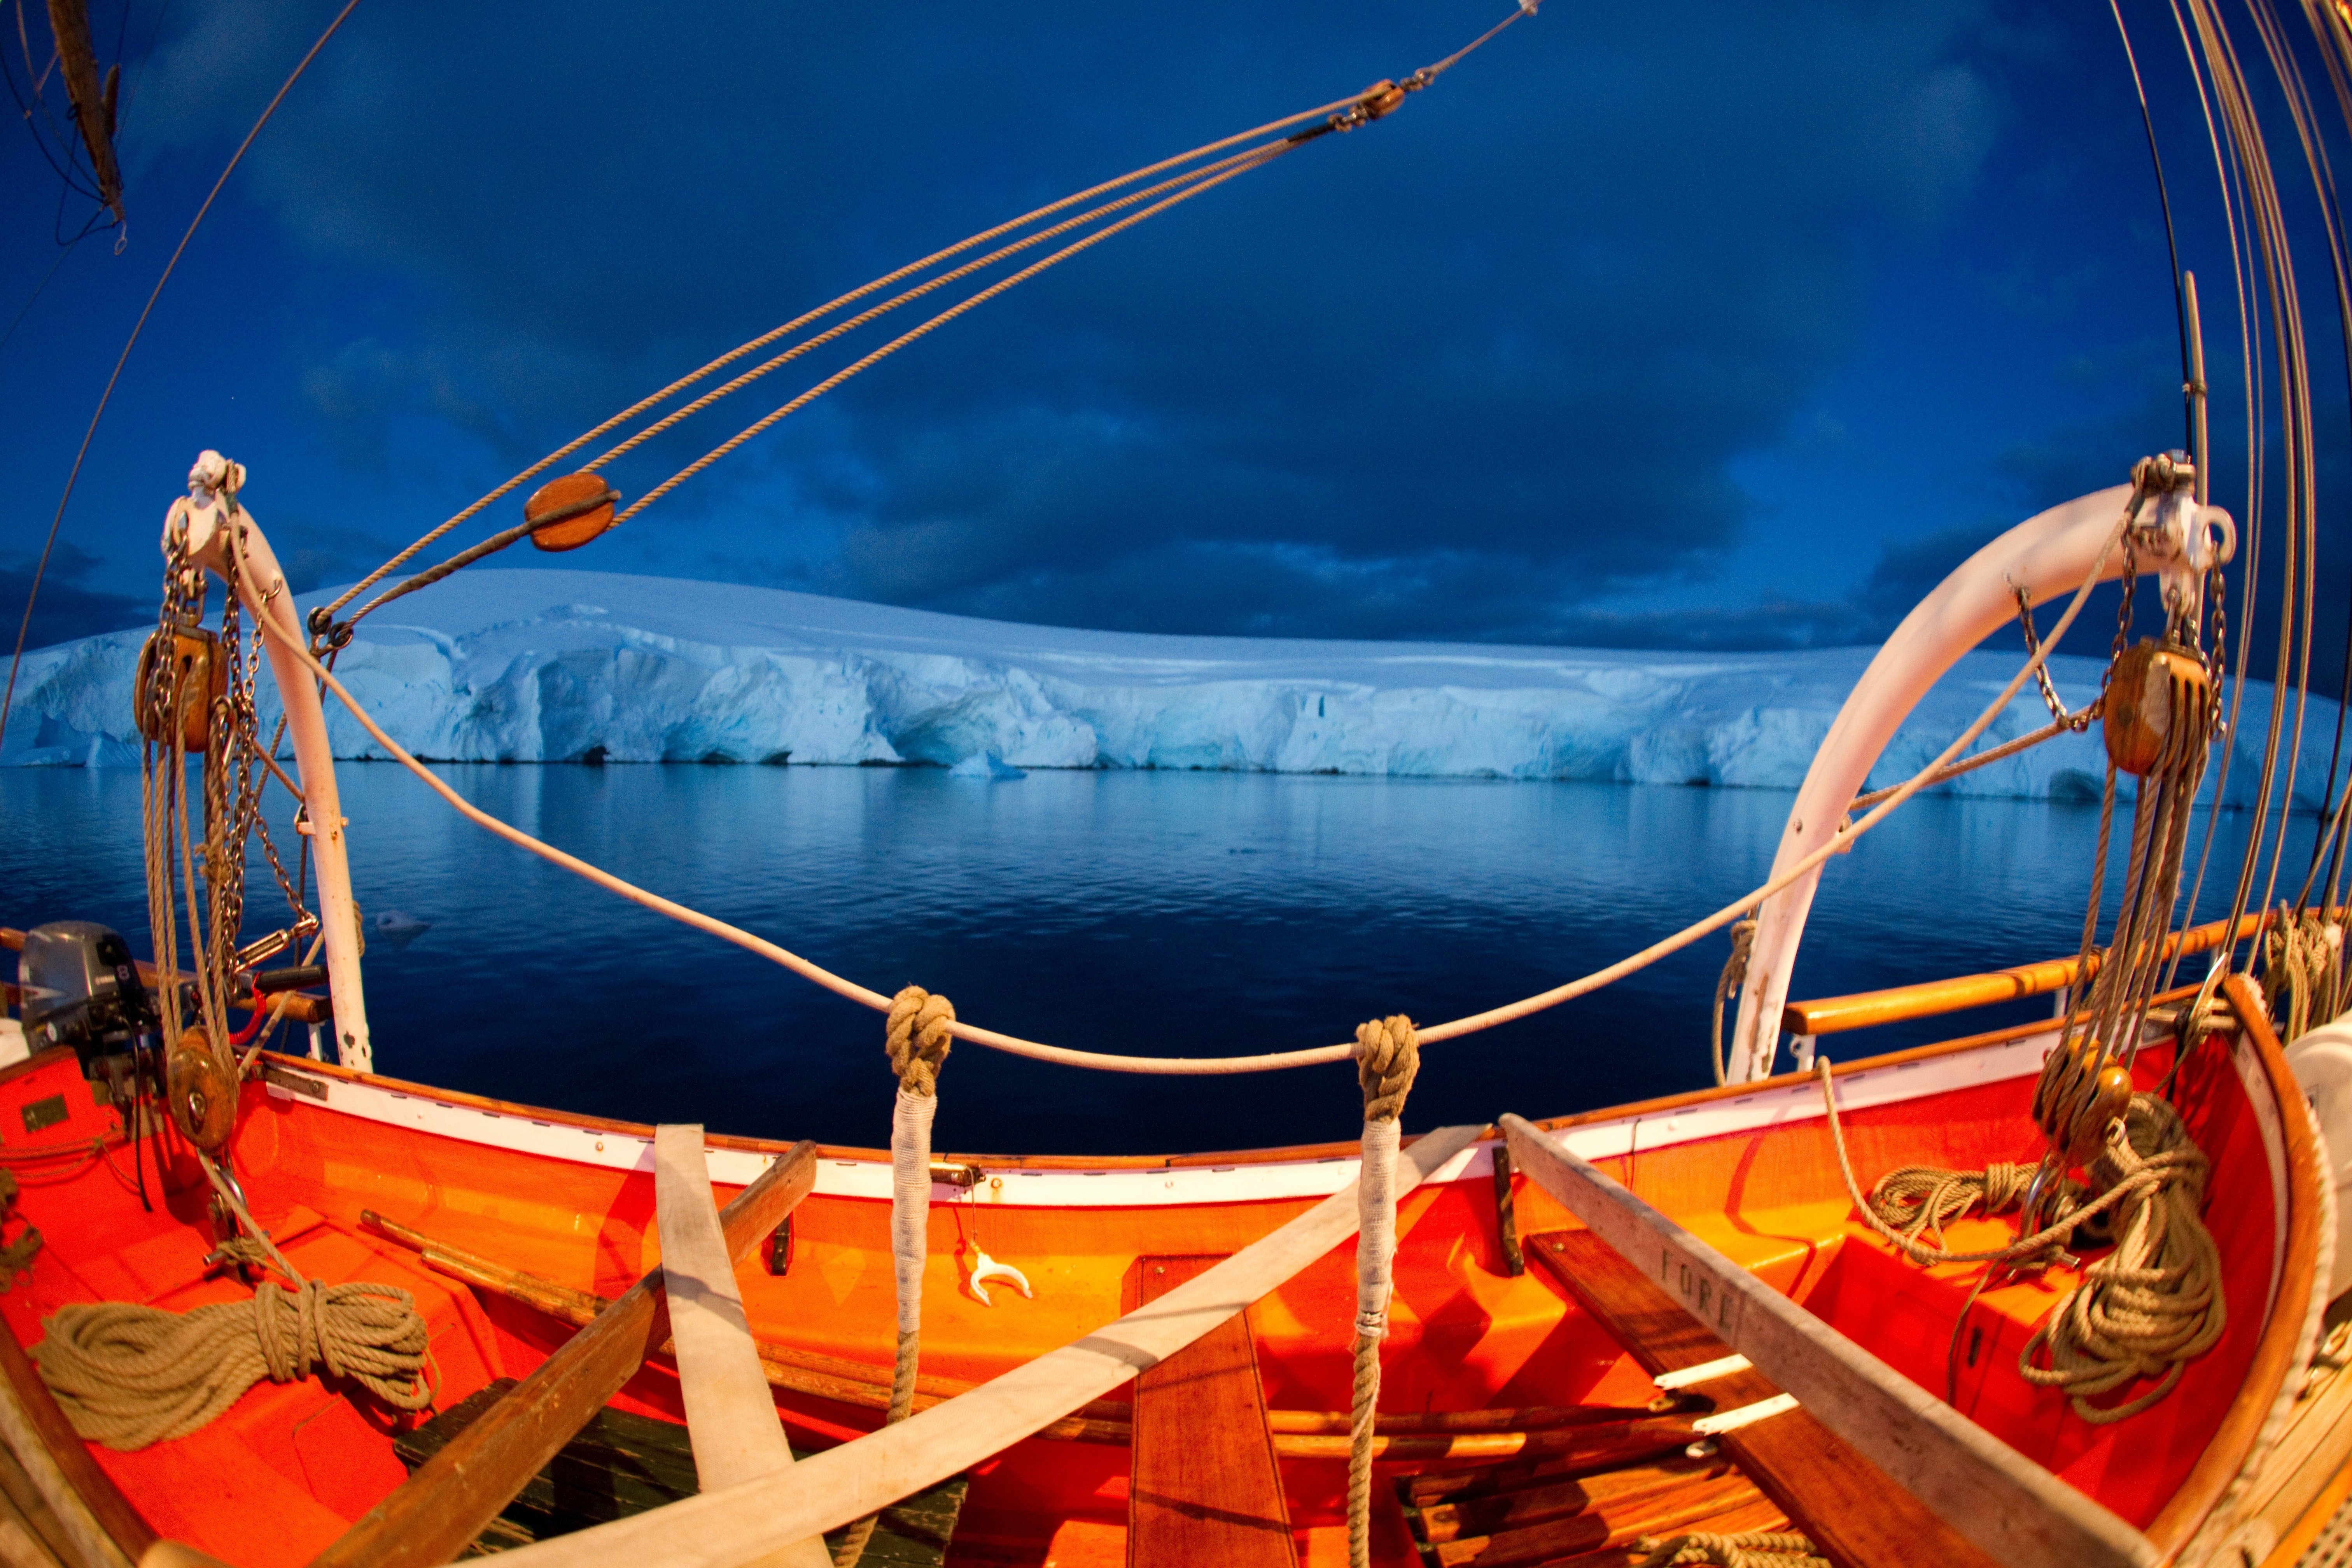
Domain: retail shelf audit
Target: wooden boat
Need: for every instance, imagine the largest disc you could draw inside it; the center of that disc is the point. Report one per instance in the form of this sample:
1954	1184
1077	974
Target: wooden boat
1675	1330
1521	1423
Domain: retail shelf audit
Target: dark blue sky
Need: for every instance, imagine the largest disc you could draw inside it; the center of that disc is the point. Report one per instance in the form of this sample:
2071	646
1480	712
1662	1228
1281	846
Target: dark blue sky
1728	325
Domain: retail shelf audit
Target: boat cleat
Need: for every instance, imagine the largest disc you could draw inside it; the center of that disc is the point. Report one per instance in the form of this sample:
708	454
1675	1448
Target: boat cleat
983	1267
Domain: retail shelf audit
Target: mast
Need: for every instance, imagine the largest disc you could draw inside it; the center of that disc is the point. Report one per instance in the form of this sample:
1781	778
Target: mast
211	505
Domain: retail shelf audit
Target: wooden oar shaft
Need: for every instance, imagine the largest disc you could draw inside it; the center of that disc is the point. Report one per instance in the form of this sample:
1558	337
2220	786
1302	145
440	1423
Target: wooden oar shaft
1834	1014
434	1515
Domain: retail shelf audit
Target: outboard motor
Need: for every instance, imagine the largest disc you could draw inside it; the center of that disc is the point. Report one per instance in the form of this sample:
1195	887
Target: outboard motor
81	989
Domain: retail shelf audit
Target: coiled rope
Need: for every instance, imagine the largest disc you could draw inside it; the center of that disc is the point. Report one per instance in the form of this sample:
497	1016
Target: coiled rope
1387	1055
2303	964
128	1375
2145	1311
1753	1549
917	1038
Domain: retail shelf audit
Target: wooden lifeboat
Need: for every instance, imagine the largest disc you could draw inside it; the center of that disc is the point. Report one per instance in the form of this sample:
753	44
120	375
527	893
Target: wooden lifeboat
1530	1412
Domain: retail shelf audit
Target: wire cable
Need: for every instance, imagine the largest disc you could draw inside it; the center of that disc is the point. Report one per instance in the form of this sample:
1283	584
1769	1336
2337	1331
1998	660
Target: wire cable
25	623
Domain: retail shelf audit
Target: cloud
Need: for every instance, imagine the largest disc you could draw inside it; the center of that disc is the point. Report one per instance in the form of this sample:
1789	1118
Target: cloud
66	608
1468	372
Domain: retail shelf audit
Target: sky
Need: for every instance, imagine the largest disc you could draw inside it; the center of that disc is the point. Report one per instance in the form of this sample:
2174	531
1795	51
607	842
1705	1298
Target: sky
1706	326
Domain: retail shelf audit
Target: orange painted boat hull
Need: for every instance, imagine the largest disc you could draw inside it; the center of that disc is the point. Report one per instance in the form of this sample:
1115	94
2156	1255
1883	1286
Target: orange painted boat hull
1751	1171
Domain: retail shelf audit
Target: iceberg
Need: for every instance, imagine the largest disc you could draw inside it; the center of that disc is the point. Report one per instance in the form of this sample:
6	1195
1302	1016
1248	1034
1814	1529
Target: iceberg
549	664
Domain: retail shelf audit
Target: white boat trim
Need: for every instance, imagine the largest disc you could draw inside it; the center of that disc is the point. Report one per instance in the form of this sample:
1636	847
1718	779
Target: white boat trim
1798	1099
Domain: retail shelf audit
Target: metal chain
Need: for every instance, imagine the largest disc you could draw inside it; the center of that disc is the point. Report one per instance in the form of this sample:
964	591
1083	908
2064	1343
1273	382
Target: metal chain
2077	720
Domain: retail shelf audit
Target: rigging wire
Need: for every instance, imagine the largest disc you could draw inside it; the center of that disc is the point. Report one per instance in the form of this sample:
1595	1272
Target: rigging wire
2163	196
2334	37
1240	163
2299	533
2232	207
1342	114
18	319
754	345
24	624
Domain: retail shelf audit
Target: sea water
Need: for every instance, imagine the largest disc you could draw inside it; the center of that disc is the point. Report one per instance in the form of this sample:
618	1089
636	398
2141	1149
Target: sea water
1144	912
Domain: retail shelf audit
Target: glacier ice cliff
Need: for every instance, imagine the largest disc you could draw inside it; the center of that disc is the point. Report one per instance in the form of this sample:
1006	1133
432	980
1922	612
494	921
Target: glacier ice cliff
545	665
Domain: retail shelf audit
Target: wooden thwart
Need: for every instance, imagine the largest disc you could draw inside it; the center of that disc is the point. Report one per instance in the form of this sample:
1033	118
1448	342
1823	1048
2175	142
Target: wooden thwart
726	1529
2020	1514
430	1518
1204	1491
729	1413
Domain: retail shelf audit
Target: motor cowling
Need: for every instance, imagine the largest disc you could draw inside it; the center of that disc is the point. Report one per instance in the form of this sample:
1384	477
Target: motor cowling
81	989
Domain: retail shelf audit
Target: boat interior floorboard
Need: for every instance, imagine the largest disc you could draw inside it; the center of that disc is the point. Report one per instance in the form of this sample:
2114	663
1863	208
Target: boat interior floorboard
623	1463
1855	1516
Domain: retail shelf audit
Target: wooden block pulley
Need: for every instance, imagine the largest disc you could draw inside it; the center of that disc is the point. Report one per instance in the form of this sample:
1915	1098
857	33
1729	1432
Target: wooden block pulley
199	1091
566	513
180	665
2159	709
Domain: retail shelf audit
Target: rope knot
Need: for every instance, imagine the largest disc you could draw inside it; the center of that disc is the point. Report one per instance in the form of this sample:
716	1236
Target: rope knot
916	1037
1387	1055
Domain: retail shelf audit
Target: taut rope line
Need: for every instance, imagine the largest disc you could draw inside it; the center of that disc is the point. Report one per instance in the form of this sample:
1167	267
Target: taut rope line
1199	1065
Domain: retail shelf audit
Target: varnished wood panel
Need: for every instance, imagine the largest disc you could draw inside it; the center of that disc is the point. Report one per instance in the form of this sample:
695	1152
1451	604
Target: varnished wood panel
1204	1491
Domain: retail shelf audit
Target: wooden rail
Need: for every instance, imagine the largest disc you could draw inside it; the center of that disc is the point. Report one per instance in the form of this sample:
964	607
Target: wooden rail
2016	1511
1835	1015
301	1006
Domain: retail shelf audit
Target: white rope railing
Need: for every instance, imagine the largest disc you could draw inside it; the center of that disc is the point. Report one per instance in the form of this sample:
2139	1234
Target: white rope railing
1104	1062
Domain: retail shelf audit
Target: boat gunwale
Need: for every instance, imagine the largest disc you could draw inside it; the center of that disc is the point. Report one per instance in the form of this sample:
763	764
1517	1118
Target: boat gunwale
2241	1437
1292	1153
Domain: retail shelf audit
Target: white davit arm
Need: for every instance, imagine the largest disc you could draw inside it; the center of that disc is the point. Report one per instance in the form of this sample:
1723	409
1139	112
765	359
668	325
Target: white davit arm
2047	556
262	589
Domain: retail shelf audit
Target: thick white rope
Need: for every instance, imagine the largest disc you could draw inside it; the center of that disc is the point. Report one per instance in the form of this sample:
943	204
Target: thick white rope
1104	1061
1387	1058
917	1039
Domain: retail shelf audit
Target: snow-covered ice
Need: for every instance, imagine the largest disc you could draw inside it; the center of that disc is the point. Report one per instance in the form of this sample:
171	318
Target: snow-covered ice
546	665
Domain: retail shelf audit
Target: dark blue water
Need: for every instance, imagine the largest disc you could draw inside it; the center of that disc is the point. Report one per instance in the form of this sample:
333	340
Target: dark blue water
1175	914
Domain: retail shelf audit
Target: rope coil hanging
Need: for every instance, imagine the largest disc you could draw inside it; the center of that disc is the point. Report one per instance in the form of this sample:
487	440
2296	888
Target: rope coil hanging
915	1034
1387	1055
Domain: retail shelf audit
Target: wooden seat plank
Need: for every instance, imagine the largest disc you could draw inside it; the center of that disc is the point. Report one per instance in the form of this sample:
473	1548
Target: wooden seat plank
730	1411
1856	1516
1204	1491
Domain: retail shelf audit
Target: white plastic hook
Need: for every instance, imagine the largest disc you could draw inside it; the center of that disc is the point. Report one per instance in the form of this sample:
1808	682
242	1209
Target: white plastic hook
983	1267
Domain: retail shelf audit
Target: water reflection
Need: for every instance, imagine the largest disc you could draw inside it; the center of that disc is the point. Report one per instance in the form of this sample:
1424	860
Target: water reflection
1170	913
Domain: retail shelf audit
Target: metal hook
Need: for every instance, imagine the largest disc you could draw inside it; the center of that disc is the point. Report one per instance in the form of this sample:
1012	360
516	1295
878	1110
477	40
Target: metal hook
983	1267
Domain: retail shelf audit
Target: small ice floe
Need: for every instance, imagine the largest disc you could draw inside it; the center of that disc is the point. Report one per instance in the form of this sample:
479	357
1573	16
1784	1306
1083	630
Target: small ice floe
985	766
397	929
